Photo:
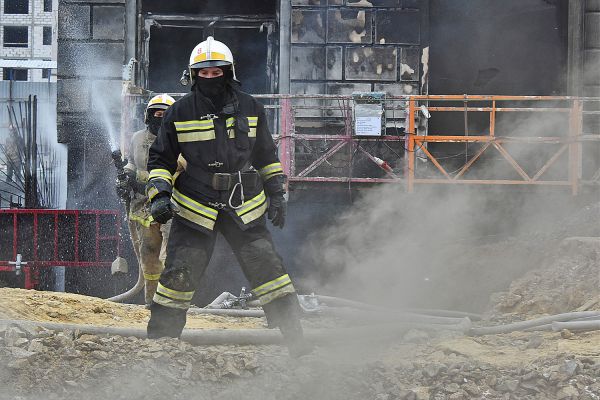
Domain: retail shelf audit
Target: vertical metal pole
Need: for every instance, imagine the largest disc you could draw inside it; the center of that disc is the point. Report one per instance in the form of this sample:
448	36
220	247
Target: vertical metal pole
283	129
28	149
575	126
410	146
285	33
130	28
493	119
575	47
34	159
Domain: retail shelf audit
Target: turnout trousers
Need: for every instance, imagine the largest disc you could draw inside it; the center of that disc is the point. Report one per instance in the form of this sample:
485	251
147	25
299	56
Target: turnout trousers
150	247
188	254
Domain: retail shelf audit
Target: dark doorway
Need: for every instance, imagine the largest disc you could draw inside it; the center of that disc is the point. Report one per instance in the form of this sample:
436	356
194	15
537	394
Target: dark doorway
170	48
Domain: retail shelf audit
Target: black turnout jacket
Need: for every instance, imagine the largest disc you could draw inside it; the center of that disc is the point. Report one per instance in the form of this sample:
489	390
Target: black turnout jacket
236	138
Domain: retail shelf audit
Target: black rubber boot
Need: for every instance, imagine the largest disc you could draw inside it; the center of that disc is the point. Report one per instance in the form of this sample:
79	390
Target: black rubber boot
284	313
165	321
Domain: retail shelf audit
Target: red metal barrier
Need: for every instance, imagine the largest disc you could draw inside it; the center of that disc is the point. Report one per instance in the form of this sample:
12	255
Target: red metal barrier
49	238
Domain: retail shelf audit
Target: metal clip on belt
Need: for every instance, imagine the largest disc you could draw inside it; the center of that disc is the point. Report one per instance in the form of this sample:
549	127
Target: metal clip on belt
239	183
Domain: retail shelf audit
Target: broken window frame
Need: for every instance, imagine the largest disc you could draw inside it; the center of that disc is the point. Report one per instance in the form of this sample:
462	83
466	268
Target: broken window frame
268	22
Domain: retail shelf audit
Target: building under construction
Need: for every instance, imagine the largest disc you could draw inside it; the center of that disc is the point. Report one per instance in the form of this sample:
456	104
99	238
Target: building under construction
443	233
358	93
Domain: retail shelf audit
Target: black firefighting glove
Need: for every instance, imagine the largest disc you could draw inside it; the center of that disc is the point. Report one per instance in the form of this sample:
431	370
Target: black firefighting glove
161	208
277	209
122	187
134	184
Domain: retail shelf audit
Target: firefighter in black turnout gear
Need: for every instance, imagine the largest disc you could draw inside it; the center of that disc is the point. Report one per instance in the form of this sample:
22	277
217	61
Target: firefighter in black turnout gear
232	179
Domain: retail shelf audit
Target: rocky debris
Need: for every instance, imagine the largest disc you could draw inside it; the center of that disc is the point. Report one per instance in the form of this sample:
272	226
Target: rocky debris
67	365
569	280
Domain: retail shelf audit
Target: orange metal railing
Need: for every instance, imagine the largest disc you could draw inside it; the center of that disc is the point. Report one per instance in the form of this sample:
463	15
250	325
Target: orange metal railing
570	142
291	117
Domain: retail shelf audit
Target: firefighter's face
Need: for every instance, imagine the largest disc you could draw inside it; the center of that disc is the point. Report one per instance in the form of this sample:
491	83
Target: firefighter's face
210	72
159	113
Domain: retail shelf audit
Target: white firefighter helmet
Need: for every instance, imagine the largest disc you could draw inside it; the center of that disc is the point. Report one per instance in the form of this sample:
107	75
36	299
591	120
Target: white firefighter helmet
210	53
160	102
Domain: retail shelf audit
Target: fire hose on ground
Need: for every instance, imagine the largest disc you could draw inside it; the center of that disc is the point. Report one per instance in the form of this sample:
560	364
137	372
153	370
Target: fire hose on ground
543	323
237	336
424	319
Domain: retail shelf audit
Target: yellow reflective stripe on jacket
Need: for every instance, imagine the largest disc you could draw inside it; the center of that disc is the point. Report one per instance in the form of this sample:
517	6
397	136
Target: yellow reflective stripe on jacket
270	286
152	192
271	170
146	222
161	174
196	125
252	122
196	218
252	204
230	123
200	208
174	294
196	136
151	277
254	214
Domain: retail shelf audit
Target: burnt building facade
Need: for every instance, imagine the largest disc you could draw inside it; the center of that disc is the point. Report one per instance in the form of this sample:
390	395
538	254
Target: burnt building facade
323	47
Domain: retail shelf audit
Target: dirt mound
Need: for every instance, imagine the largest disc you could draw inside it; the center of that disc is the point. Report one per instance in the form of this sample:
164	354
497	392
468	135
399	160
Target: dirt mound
77	309
569	280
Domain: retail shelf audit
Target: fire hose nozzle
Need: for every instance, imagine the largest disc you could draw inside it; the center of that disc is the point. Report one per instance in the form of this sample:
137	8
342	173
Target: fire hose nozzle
117	158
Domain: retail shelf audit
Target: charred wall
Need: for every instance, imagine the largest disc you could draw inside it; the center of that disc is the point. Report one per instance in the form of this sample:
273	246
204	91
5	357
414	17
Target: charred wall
347	46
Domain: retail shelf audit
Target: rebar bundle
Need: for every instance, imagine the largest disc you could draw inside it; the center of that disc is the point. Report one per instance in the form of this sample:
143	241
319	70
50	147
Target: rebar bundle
30	179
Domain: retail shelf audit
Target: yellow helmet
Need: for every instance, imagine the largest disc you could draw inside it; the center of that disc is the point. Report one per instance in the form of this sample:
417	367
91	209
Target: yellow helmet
160	101
210	53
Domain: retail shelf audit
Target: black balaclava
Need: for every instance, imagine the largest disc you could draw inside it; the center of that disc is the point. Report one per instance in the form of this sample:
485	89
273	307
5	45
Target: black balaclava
154	123
214	88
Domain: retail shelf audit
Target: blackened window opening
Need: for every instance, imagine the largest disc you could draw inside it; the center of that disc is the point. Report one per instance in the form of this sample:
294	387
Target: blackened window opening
14	74
16	6
15	36
47	37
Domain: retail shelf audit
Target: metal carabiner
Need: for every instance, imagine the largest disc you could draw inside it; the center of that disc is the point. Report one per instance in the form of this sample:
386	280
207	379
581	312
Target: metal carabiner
241	192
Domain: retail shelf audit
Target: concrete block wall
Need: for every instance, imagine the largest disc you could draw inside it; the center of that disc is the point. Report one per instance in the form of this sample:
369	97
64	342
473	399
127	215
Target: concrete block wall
90	57
35	20
346	46
91	51
355	45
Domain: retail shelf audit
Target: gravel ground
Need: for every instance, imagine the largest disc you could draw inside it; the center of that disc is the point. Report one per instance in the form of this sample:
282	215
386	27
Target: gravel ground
43	364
